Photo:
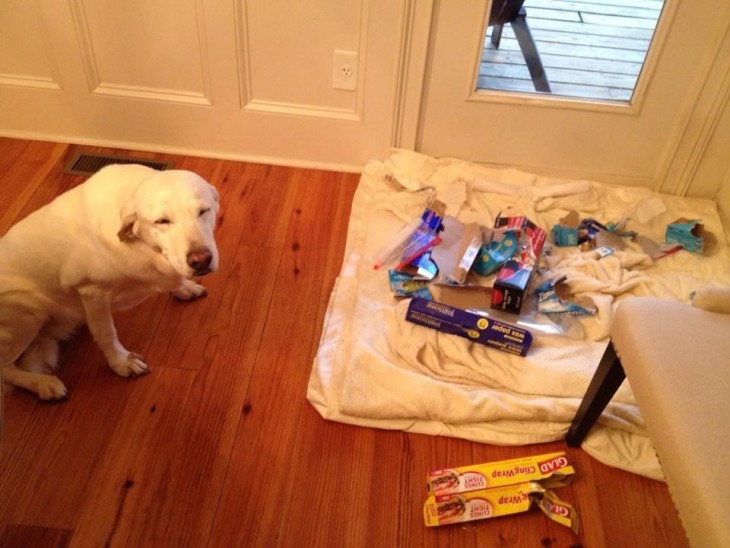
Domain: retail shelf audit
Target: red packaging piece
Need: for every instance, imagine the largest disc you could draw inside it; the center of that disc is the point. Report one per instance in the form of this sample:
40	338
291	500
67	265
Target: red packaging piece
510	287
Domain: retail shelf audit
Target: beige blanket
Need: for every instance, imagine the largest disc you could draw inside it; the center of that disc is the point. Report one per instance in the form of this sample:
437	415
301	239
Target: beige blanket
375	369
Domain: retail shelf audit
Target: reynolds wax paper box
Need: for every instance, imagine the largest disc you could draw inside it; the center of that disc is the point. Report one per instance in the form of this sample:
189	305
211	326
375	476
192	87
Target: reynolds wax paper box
499	335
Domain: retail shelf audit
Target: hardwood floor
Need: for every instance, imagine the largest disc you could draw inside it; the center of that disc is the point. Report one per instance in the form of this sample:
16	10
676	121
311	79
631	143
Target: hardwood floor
591	49
218	446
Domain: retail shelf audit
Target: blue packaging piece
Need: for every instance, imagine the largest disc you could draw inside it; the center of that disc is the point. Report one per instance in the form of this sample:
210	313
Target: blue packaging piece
426	268
552	298
404	284
565	235
689	233
424	237
493	333
494	255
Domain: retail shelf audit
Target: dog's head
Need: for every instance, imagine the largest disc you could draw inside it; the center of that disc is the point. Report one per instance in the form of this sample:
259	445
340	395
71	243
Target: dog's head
174	212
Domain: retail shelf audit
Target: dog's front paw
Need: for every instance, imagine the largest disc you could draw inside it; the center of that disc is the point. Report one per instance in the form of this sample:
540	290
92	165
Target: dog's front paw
189	290
131	366
51	388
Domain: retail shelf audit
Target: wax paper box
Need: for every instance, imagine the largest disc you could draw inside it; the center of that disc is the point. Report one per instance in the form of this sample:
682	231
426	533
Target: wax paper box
493	333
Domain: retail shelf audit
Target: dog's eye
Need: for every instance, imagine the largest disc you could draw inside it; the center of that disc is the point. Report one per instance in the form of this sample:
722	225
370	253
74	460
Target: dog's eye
203	211
162	221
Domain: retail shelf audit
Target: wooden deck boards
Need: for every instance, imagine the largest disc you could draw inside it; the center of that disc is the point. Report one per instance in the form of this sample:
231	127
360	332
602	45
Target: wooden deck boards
589	48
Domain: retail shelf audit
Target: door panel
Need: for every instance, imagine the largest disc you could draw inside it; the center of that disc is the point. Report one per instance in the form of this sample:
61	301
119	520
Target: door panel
630	142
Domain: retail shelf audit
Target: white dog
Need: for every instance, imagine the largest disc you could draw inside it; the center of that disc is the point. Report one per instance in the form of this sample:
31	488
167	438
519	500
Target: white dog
126	233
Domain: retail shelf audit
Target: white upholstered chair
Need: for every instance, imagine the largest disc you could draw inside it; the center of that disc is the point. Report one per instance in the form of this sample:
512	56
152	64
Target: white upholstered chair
676	358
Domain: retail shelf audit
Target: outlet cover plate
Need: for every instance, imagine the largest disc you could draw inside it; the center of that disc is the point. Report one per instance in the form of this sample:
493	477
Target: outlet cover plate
344	70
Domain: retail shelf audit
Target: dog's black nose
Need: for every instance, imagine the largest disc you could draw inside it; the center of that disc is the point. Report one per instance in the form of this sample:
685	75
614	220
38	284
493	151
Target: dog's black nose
199	260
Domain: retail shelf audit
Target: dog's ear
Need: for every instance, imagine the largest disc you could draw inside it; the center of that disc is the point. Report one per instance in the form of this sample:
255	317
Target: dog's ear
216	196
127	232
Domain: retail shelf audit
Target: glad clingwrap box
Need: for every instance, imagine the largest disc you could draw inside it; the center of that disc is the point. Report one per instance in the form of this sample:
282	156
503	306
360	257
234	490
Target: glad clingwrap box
495	502
550	470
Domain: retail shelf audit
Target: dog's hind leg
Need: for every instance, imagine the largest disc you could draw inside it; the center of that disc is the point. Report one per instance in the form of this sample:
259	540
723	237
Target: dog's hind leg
46	387
41	356
18	331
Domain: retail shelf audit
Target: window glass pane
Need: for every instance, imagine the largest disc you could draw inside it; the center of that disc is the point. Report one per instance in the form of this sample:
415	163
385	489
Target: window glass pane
591	49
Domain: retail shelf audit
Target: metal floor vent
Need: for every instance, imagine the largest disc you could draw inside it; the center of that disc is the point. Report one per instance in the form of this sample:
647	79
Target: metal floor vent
88	163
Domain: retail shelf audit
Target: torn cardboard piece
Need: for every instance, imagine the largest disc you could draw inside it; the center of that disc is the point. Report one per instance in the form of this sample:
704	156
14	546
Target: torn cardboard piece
655	250
555	297
690	234
610	240
467	297
457	250
565	233
588	233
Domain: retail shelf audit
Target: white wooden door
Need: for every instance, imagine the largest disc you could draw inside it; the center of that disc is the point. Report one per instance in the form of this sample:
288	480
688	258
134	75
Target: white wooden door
646	141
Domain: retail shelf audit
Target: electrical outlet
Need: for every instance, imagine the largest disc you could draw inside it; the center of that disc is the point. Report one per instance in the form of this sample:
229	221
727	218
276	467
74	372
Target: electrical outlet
344	70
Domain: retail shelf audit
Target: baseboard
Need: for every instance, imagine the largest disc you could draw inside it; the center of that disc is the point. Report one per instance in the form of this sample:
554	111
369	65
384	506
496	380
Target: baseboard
171	149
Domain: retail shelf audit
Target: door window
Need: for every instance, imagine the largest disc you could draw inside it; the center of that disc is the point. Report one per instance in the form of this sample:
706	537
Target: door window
592	49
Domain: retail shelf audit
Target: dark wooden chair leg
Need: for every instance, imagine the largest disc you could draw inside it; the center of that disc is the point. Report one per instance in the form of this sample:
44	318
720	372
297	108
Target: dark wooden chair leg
529	51
608	377
497	35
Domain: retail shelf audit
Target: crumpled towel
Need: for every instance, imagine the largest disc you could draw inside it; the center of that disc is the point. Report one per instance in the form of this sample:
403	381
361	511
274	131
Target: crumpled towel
712	299
375	369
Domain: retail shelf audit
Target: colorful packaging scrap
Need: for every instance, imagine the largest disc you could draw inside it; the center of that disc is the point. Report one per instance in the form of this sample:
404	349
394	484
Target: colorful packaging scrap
690	234
403	284
589	233
424	237
413	240
501	246
510	286
553	297
565	233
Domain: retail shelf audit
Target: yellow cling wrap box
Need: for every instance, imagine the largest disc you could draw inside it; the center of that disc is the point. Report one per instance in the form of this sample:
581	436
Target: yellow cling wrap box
551	470
495	502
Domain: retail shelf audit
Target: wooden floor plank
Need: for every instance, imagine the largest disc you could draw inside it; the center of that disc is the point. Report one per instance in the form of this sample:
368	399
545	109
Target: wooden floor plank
24	177
254	497
29	536
47	478
218	446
